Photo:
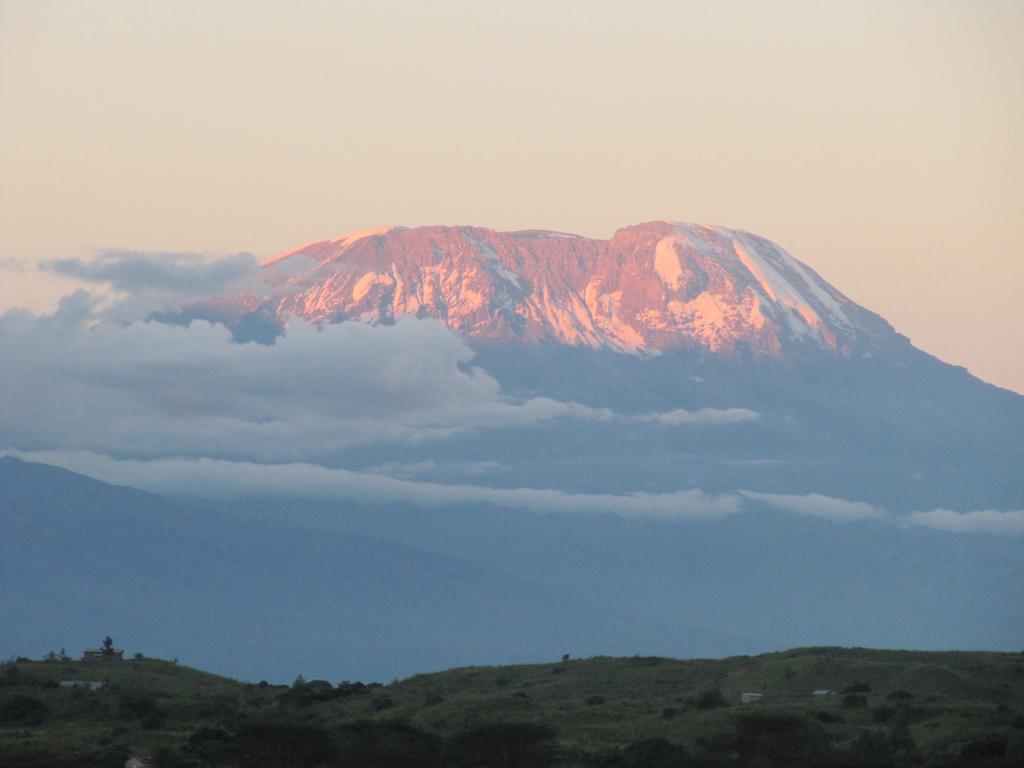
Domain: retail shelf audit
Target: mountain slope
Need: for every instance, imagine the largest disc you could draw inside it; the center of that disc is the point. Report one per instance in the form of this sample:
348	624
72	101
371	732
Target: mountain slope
80	559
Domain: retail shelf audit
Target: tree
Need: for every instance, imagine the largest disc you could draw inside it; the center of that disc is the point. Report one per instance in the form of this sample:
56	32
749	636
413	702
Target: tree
501	745
780	738
386	744
279	744
108	646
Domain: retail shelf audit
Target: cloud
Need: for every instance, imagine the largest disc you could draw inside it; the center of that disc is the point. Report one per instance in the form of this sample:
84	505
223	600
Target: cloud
12	264
430	467
214	478
217	478
148	389
681	417
843	511
979	521
141	272
817	505
75	380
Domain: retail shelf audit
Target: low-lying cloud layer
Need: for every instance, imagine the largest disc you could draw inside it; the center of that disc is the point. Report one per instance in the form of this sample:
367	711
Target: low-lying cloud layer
220	479
817	505
76	381
139	272
681	417
215	478
979	521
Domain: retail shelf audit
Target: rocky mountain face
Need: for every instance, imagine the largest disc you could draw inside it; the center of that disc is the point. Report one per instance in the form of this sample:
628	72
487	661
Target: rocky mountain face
651	287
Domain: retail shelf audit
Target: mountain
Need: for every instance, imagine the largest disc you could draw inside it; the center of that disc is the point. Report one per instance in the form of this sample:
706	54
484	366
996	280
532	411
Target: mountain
260	597
664	316
651	287
852	443
277	587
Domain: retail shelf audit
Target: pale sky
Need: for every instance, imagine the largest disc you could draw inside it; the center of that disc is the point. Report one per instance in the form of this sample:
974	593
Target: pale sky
879	142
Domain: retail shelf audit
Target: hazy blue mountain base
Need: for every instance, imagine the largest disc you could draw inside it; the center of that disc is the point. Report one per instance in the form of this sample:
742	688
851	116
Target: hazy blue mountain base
277	586
274	588
901	430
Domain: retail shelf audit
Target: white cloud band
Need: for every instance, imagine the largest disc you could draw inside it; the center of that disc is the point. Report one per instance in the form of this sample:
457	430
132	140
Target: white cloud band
979	521
216	478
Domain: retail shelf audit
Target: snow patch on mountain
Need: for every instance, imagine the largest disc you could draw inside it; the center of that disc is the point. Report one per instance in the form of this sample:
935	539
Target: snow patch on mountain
666	262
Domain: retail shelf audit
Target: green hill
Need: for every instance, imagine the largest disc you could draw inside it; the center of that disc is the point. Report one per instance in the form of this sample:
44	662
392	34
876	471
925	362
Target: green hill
886	708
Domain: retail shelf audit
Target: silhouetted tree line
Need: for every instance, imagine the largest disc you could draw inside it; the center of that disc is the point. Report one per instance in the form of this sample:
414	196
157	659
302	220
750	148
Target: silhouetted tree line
759	740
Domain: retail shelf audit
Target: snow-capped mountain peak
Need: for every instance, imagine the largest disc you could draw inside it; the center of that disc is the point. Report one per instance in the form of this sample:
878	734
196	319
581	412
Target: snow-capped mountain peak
650	287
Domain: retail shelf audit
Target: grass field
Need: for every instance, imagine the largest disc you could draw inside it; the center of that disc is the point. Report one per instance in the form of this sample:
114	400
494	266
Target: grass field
959	708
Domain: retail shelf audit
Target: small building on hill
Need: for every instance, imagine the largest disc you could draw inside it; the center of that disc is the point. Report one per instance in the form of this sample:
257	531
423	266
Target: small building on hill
92	685
750	697
106	652
54	656
101	654
822	693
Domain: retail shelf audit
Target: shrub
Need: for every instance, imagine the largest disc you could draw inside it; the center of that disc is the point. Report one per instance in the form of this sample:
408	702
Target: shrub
211	746
882	714
346	689
593	701
780	738
11	676
668	713
501	745
900	737
712	698
283	743
857	688
651	753
304	693
872	749
900	695
386	744
23	710
136	706
992	745
854	700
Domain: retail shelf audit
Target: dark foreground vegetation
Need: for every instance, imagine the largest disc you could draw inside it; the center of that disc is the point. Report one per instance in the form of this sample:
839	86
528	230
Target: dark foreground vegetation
873	708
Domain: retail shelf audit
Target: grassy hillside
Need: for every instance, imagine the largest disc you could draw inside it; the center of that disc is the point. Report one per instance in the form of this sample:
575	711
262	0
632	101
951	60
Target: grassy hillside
889	708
